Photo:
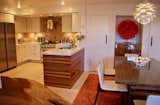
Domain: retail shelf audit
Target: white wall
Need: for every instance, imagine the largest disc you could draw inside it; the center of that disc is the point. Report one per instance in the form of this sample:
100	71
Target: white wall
154	49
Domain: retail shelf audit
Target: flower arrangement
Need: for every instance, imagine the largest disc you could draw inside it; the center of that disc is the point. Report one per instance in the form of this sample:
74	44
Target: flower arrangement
79	37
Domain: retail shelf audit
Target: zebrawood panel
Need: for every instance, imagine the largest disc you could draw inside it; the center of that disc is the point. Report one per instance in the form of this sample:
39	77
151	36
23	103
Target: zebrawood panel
63	71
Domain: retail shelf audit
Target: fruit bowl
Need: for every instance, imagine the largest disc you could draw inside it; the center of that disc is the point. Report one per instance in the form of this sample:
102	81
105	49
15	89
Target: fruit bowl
141	61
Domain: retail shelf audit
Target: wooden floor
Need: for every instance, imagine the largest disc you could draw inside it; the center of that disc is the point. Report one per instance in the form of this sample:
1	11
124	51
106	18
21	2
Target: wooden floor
90	94
34	71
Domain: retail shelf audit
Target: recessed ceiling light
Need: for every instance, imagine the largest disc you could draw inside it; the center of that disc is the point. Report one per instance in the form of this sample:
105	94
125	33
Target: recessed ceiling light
19	4
62	2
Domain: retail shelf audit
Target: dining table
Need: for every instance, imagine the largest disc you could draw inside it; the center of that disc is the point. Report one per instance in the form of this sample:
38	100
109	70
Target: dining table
141	80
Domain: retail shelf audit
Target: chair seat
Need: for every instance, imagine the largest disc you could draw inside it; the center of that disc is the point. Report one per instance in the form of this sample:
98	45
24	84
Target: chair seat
109	72
153	100
139	102
109	85
112	86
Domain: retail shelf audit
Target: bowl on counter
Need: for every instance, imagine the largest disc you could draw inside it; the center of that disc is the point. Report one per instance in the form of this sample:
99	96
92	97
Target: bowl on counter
64	46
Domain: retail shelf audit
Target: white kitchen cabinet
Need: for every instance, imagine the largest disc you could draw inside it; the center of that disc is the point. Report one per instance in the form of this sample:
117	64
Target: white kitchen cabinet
22	53
33	24
28	51
23	24
20	24
34	52
67	23
100	44
71	23
154	39
76	22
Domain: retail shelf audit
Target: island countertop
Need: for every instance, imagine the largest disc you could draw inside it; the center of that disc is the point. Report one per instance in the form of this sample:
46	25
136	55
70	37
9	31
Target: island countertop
62	52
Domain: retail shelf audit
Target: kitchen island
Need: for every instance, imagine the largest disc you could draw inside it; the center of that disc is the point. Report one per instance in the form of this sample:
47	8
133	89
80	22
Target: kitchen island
62	67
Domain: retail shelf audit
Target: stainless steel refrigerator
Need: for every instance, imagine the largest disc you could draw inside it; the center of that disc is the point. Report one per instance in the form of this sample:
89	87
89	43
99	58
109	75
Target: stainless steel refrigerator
7	46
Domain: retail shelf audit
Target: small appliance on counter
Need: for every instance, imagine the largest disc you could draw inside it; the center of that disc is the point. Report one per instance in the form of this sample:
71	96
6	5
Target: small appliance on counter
42	40
64	46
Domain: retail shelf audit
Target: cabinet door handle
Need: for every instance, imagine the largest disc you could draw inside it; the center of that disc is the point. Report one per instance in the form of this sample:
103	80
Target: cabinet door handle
151	41
106	39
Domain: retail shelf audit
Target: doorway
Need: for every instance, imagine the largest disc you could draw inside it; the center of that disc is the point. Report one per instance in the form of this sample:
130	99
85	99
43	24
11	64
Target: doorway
128	38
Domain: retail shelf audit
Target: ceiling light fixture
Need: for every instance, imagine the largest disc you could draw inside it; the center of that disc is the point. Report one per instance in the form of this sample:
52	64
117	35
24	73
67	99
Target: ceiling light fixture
62	2
145	12
19	4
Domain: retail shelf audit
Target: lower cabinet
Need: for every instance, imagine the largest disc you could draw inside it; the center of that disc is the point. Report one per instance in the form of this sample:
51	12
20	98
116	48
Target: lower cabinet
27	52
34	52
22	54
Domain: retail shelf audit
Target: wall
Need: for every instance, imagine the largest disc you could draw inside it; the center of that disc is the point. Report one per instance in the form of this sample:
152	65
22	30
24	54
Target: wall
6	18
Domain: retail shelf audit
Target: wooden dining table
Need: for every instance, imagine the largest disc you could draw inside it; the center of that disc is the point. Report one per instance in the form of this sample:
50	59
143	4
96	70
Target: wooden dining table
144	80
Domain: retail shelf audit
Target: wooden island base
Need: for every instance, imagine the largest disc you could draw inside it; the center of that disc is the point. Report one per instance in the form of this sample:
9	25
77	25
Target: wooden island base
63	71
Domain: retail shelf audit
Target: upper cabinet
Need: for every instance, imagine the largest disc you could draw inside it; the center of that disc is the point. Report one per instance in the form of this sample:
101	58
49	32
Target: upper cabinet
67	23
23	24
71	22
33	24
20	24
76	22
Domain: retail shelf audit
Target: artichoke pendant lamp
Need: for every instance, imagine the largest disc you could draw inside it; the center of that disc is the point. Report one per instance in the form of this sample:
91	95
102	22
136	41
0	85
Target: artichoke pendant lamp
145	12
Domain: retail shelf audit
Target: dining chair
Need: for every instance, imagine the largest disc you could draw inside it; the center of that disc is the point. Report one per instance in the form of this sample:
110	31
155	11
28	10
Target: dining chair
139	102
153	100
108	72
109	85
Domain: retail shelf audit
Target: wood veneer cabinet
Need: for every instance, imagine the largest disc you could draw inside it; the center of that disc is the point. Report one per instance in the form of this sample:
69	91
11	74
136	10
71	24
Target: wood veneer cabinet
63	71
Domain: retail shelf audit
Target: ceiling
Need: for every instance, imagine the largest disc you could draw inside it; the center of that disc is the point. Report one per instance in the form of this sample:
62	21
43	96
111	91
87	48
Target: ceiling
121	1
33	6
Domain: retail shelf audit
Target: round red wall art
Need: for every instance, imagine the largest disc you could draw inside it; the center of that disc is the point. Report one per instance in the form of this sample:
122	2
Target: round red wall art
127	29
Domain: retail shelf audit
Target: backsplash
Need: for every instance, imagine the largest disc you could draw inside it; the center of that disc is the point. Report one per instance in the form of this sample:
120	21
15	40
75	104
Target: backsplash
28	37
33	37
